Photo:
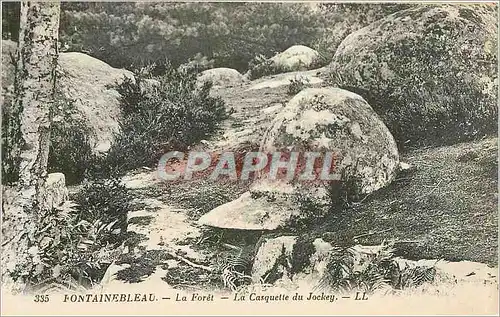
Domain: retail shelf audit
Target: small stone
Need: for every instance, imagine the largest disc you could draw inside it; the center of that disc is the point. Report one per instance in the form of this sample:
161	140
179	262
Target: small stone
269	254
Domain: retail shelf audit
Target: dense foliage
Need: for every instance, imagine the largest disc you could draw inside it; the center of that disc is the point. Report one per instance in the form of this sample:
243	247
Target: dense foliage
78	240
133	35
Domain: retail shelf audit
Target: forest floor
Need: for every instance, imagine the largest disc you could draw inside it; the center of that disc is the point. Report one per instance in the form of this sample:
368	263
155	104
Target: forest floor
443	207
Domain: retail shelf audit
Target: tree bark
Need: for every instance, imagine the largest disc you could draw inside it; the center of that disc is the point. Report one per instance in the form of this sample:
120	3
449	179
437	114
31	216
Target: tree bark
28	139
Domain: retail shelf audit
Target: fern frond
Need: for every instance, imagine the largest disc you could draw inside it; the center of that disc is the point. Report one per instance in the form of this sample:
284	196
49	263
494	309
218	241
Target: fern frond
410	274
357	268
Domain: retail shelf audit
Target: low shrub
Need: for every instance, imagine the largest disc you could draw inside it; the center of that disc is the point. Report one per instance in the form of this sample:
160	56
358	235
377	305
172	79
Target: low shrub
104	203
356	269
160	114
372	269
260	66
297	85
55	247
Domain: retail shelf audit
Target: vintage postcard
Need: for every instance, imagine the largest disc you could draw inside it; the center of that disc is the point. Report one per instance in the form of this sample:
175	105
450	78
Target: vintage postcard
249	158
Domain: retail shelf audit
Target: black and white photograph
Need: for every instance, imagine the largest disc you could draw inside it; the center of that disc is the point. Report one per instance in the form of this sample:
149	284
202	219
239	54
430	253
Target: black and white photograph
263	158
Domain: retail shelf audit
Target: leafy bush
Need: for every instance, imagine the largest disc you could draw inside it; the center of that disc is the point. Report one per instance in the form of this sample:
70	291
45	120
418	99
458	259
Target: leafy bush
357	269
297	85
103	204
55	244
78	240
373	269
160	114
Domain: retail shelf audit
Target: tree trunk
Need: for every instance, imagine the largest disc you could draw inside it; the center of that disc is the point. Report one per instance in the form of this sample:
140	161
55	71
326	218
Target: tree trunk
28	140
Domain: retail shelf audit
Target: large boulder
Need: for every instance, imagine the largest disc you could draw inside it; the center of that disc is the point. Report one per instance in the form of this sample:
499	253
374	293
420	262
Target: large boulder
222	77
430	71
297	57
289	257
89	83
318	120
86	82
332	119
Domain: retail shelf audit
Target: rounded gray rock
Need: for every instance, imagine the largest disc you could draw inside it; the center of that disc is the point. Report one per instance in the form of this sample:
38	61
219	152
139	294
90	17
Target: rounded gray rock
315	120
429	71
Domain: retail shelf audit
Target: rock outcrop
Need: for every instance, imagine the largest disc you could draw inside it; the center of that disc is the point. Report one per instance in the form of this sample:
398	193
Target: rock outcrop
321	120
87	83
430	72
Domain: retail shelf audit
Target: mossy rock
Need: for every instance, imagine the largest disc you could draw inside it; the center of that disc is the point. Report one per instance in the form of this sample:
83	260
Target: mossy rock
85	82
334	120
429	71
322	120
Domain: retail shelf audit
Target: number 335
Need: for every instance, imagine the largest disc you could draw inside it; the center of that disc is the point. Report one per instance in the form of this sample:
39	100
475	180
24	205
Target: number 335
41	298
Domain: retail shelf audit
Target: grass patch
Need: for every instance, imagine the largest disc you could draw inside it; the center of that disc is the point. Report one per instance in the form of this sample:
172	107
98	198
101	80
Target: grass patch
141	221
443	208
161	114
141	267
